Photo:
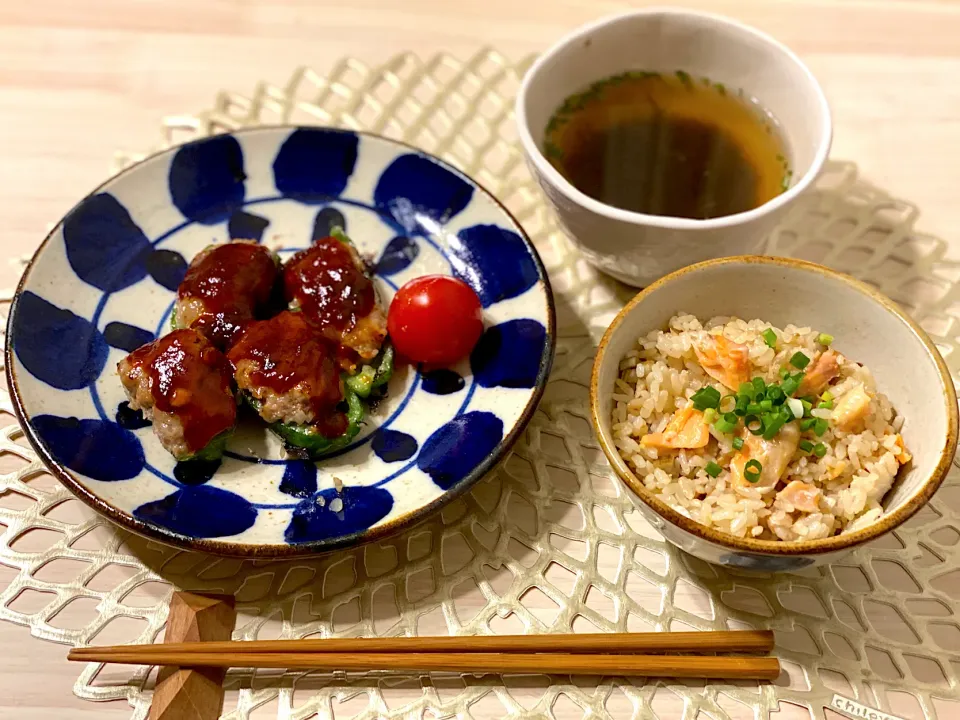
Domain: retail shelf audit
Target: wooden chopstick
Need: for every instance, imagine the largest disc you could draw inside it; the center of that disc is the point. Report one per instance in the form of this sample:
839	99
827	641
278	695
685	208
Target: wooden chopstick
579	654
759	641
673	666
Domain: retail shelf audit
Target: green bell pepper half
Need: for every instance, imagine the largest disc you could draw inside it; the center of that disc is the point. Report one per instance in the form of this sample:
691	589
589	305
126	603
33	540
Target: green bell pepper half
307	438
373	375
213	450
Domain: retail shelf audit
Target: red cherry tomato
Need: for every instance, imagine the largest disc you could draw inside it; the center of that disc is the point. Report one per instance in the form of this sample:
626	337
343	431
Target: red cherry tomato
435	319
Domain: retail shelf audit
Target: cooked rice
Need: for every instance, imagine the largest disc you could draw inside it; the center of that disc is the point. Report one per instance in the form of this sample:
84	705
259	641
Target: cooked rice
660	374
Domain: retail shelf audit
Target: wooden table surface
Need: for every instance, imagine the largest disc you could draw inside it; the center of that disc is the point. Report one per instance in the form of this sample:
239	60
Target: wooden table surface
79	80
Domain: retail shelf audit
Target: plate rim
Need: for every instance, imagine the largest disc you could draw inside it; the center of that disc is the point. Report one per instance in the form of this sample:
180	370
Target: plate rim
249	550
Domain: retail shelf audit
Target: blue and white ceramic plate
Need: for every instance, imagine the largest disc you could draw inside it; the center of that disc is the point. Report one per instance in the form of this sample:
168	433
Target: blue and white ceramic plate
104	282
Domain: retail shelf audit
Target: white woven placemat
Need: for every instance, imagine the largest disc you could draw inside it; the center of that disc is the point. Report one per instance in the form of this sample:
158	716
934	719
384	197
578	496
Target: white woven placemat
548	542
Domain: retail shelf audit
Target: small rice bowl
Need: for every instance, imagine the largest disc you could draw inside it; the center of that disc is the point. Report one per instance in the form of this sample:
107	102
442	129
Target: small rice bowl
816	493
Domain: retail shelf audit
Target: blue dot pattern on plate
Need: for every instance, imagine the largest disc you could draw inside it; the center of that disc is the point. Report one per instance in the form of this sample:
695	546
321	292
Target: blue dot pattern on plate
299	478
393	446
203	511
400	252
167	268
96	448
460	445
414	189
443	381
494	261
107	280
207	179
124	336
326	220
509	354
55	345
130	419
246	226
105	247
331	514
315	165
196	472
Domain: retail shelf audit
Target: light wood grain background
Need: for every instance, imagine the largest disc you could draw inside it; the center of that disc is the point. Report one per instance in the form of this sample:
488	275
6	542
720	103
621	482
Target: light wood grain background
80	79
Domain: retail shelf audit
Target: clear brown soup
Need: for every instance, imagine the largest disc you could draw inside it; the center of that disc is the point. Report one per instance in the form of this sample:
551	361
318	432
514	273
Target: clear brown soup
668	145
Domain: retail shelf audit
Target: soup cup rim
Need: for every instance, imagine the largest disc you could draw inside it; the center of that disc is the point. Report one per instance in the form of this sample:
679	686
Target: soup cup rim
884	524
546	169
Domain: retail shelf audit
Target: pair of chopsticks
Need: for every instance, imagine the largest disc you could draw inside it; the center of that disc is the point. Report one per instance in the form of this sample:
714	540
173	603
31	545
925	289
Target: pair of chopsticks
627	654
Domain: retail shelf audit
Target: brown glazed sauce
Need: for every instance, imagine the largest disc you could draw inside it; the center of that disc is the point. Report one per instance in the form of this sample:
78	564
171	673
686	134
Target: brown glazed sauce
328	286
233	281
190	379
293	357
332	425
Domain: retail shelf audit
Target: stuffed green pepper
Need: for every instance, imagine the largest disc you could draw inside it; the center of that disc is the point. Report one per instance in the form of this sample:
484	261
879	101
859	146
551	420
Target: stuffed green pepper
289	374
226	286
184	386
328	283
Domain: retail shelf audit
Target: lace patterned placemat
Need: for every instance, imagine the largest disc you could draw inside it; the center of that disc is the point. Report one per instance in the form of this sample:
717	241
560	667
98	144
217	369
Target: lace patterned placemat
548	542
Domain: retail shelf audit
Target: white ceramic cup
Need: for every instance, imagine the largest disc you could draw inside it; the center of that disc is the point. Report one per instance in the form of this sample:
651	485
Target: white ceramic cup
635	247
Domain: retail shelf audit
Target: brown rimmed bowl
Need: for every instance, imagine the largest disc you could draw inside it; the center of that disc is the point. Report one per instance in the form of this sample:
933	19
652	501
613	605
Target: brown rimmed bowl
866	325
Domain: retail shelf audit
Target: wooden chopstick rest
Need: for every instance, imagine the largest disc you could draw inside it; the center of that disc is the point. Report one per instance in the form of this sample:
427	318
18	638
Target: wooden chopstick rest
193	693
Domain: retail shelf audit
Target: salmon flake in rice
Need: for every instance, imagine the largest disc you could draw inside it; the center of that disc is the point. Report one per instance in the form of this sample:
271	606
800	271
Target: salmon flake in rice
827	475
